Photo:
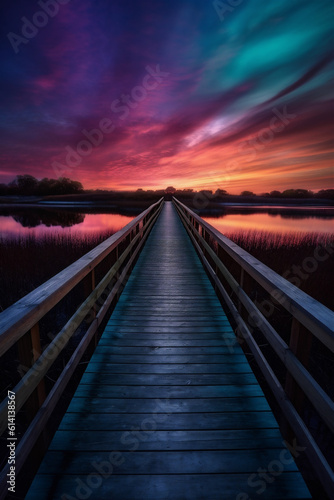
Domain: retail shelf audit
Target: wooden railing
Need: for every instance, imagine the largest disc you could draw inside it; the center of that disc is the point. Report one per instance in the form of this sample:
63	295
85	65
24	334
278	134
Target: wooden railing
309	320
19	325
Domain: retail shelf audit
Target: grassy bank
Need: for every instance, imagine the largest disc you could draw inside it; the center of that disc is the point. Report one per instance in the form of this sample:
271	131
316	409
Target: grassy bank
27	262
293	256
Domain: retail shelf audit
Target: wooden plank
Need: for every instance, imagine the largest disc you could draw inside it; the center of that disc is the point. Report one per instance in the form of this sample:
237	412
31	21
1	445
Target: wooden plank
166	462
154	342
169	336
250	439
164	382
228	360
169	329
289	486
163	392
206	405
170	379
166	421
107	351
164	368
171	318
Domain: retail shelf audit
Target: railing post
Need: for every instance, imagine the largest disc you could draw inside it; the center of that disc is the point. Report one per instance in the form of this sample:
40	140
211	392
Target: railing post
89	287
29	350
242	285
300	345
117	275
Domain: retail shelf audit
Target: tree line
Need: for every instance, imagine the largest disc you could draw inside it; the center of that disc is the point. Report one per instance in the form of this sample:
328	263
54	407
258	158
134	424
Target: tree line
27	185
288	193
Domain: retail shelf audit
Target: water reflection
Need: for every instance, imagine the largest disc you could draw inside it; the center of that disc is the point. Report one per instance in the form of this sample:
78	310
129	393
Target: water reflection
274	223
40	223
284	212
63	219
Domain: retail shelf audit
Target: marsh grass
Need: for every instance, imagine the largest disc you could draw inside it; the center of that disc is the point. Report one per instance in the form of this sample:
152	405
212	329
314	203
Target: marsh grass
288	255
27	261
266	240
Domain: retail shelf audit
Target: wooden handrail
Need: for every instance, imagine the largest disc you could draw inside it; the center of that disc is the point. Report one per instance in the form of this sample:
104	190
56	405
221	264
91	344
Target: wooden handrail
316	318
310	312
18	319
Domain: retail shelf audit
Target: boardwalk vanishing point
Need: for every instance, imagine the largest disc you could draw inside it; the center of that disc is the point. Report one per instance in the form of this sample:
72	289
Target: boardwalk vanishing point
168	406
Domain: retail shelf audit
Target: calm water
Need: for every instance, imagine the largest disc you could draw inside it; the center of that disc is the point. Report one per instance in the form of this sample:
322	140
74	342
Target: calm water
271	222
280	225
41	224
36	244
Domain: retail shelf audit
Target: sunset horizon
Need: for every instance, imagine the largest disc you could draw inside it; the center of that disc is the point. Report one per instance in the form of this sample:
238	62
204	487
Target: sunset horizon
158	188
201	96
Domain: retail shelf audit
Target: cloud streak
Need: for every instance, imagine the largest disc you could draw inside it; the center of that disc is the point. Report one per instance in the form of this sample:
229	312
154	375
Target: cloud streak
224	80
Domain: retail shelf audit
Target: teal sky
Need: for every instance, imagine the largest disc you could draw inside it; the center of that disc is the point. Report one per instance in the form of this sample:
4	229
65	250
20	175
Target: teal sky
206	122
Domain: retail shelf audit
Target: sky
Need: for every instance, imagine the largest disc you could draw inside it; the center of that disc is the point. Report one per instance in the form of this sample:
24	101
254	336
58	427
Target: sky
125	94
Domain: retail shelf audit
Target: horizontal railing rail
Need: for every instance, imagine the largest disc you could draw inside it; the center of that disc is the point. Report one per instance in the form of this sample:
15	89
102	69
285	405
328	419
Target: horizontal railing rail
19	325
309	318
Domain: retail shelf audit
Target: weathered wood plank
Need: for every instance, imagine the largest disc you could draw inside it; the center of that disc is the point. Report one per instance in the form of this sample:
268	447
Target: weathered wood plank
154	342
230	439
169	379
165	462
289	486
172	368
169	352
163	381
163	392
169	329
166	421
167	359
152	336
205	405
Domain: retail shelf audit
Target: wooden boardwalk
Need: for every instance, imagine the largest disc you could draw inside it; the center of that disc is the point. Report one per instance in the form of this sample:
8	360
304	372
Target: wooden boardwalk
166	408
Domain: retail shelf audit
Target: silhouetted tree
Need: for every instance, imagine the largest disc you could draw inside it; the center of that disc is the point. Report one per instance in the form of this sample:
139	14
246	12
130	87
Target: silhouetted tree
247	193
221	192
275	194
297	193
326	193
